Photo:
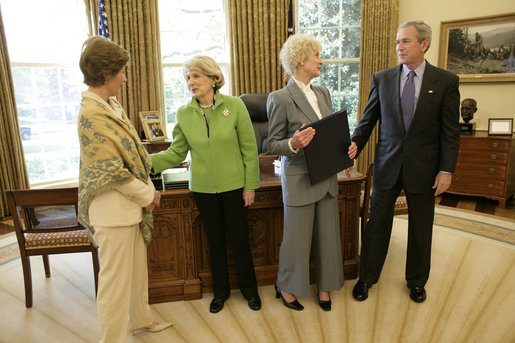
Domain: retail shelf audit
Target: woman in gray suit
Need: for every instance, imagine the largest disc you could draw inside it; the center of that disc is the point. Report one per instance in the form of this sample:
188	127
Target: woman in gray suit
310	211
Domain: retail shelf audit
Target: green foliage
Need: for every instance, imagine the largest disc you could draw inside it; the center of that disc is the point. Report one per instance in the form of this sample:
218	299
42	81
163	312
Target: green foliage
35	169
336	24
457	42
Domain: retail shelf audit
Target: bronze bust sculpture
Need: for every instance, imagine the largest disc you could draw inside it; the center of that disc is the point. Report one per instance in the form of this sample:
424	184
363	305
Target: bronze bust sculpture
468	108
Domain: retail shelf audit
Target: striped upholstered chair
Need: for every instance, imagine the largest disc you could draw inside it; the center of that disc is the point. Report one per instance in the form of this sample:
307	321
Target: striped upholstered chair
45	221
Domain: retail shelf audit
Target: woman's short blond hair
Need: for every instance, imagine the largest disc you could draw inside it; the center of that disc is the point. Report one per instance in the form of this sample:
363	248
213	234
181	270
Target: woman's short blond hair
206	65
101	59
297	49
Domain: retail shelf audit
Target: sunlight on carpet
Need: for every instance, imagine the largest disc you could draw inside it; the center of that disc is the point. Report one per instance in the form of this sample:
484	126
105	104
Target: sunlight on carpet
471	297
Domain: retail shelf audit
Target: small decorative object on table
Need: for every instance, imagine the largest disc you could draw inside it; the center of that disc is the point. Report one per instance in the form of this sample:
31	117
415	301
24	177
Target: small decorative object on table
468	108
500	126
152	125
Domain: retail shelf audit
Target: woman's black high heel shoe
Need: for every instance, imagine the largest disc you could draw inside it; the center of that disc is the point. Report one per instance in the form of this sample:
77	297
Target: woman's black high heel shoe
324	304
294	305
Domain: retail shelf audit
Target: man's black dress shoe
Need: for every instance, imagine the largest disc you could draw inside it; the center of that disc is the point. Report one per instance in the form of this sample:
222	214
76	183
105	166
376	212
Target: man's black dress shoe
254	303
324	304
360	291
294	305
217	304
417	294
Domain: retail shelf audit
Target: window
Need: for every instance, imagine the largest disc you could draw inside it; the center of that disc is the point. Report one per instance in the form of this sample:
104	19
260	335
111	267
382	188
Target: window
337	25
44	40
189	28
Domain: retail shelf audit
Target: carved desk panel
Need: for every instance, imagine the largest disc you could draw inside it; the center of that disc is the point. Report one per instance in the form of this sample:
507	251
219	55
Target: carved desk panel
178	256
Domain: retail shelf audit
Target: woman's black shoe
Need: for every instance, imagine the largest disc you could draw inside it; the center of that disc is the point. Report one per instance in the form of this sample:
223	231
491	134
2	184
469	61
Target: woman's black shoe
294	305
217	304
324	304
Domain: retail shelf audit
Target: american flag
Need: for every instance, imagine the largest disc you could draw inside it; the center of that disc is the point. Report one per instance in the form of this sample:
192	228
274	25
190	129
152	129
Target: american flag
103	26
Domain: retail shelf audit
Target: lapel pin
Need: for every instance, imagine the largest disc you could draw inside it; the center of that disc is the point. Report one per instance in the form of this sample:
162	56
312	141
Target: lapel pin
226	112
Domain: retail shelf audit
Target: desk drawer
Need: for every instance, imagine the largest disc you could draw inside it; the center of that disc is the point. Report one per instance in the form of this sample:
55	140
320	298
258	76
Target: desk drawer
480	170
491	144
476	186
482	156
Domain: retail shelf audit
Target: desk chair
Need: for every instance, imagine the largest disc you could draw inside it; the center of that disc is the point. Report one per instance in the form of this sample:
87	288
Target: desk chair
45	222
256	105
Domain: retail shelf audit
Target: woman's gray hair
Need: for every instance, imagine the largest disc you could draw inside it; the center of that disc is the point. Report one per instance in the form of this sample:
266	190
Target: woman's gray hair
423	30
297	46
206	65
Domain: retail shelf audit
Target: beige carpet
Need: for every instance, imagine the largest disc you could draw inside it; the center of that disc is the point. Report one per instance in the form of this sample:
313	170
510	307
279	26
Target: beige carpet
471	298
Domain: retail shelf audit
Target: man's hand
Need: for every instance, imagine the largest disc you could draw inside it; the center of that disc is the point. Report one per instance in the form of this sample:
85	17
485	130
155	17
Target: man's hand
442	183
248	197
353	150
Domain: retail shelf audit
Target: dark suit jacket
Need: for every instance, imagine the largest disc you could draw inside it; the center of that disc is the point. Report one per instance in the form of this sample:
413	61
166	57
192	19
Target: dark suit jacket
432	142
288	108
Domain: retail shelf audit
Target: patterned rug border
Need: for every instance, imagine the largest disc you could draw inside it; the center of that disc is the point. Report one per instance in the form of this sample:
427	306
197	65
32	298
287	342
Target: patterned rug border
484	216
483	225
480	225
8	248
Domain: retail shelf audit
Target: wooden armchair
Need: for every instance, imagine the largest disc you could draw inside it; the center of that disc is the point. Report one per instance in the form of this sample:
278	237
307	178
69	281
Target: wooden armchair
46	223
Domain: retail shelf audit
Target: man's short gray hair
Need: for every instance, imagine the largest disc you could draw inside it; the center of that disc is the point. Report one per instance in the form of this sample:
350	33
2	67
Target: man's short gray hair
423	30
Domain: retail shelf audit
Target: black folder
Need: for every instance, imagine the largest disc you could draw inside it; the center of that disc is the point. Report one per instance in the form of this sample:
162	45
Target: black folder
327	153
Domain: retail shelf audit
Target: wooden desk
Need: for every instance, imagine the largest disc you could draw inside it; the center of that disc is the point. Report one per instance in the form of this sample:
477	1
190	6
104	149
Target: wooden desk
178	257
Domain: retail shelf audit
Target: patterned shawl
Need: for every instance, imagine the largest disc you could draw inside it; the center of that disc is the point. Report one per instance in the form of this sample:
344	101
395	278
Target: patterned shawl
110	153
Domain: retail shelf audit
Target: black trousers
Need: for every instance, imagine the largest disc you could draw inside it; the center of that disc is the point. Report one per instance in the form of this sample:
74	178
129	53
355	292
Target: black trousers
221	213
378	231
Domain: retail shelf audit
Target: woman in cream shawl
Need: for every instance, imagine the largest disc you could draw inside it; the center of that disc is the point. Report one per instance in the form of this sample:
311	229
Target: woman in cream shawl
116	196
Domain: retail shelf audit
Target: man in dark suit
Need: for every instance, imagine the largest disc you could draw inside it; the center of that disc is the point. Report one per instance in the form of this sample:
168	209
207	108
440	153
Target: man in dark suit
418	145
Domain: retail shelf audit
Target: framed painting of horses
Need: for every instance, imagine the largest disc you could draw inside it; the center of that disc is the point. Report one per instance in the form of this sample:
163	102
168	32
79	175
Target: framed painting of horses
479	49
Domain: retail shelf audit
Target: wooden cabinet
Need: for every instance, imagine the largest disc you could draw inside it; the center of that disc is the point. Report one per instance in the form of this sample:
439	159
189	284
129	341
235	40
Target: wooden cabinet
178	256
485	167
153	147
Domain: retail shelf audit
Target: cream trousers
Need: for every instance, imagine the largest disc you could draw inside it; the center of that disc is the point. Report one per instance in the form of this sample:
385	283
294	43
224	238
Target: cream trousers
123	282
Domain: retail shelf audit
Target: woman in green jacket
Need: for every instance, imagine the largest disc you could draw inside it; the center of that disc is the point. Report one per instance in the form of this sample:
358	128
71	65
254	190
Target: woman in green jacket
224	172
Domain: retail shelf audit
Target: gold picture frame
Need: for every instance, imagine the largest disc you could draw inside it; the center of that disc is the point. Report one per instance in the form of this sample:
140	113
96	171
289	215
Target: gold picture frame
152	125
477	50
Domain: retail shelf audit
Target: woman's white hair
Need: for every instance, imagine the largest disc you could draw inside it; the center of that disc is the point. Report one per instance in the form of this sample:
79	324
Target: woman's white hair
296	50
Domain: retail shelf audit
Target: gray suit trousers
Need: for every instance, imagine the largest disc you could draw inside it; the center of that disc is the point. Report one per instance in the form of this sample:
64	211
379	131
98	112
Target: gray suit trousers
318	221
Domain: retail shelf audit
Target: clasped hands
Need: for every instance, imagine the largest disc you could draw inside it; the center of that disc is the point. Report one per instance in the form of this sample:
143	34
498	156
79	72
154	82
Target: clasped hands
154	203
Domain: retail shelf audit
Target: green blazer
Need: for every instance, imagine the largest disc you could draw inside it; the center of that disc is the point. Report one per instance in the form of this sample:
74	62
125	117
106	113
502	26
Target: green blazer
224	161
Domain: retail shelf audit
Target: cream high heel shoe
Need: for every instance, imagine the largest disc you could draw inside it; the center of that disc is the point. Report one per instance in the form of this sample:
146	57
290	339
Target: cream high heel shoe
157	328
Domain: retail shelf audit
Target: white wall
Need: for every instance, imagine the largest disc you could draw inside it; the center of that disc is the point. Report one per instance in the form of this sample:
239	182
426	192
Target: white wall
494	100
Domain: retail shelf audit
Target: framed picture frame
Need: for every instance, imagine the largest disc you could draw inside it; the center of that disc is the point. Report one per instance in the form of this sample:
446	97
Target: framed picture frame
152	125
479	49
500	126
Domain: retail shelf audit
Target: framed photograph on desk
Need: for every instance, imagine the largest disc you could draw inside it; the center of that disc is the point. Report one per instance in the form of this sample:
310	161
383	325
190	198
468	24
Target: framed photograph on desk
500	126
152	125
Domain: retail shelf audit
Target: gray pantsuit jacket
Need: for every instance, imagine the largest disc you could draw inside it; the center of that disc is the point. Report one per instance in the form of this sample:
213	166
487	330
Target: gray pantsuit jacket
308	208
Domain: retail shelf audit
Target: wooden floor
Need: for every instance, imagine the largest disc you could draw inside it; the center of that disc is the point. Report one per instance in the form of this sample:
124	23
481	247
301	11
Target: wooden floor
471	295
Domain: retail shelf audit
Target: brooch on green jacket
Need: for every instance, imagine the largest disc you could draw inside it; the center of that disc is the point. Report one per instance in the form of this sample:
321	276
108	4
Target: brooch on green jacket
226	112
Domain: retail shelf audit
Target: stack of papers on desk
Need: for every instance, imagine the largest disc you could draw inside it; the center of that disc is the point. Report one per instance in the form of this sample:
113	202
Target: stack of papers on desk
176	178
